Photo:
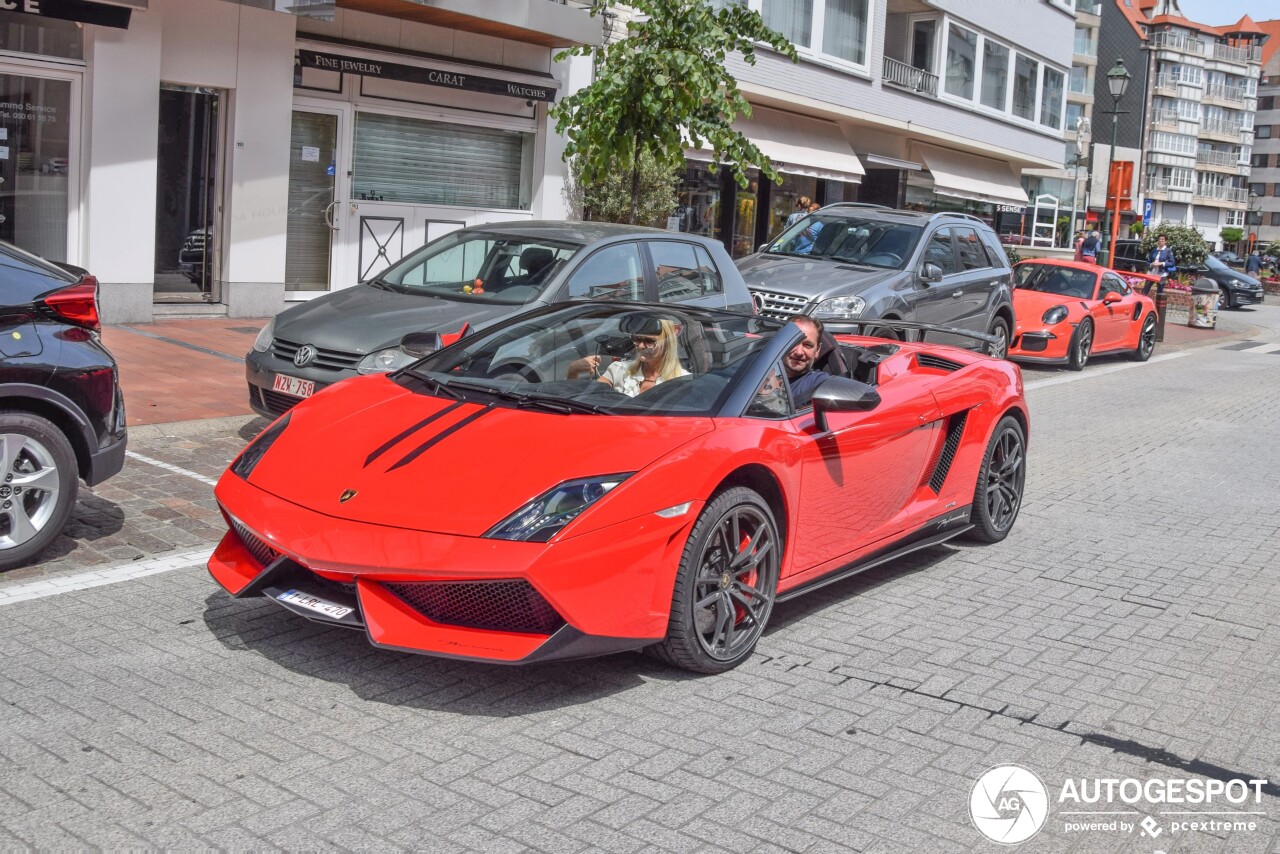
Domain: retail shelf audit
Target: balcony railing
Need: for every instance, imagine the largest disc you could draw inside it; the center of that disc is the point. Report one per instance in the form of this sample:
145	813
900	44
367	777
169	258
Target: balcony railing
909	77
1221	126
1231	53
1236	195
1223	92
1165	119
1173	41
1164	185
1167	81
1089	7
1217	158
1077	86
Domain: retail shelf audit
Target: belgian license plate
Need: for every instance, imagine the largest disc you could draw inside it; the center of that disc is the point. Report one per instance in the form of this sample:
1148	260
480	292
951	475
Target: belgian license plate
315	603
294	386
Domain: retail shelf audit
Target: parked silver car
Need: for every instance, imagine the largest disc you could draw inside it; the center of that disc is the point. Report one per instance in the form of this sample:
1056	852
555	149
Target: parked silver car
469	279
856	262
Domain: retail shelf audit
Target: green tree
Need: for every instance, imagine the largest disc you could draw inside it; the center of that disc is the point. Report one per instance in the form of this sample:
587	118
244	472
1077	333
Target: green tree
614	199
1232	234
1186	242
662	88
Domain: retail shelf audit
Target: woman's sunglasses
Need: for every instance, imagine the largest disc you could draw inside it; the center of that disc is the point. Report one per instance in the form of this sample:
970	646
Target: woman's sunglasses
644	340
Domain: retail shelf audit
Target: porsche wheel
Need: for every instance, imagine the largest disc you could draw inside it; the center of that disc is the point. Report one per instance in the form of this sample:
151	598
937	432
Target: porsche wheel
38	483
1081	344
1146	340
725	585
998	494
1000	331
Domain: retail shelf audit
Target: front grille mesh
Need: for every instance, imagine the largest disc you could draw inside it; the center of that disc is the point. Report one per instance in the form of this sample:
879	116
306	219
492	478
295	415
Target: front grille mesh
329	360
502	606
778	306
262	553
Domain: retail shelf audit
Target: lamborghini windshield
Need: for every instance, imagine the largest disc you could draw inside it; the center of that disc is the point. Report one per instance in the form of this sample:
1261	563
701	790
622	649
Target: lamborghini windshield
592	358
864	239
481	267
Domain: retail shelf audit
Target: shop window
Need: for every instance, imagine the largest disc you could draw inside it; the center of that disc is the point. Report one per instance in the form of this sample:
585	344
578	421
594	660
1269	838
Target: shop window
35	120
42	36
400	159
699	201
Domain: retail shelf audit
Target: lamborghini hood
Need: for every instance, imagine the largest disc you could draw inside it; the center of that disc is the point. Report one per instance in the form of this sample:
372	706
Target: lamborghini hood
370	451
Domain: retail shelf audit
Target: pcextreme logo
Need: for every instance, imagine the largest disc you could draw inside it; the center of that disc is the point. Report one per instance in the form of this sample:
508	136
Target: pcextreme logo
1009	804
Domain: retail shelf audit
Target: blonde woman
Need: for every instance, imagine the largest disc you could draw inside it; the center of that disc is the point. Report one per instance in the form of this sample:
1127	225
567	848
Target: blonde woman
656	361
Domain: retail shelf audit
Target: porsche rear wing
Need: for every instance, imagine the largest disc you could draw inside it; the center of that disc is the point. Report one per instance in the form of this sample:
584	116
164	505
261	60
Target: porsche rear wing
915	331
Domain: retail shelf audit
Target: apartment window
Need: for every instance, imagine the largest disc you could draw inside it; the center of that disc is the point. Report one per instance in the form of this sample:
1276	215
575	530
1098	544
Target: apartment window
962	52
1263	131
836	29
1258	160
1074	113
1080	80
1235	218
1084	42
1267	102
1258	189
995	75
1051	95
1174	143
1025	72
1275	217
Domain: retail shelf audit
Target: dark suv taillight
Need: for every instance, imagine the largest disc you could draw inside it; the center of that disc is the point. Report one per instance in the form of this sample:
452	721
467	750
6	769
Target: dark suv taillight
77	303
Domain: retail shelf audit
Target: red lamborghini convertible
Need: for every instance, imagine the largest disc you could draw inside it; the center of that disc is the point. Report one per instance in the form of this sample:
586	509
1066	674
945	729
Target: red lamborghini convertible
482	504
1066	311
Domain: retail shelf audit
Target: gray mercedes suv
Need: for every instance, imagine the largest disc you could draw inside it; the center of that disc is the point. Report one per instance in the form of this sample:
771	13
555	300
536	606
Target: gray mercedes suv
854	263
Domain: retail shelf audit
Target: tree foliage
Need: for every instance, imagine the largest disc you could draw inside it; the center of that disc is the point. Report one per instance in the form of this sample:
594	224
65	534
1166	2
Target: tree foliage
1187	243
665	87
610	200
1232	234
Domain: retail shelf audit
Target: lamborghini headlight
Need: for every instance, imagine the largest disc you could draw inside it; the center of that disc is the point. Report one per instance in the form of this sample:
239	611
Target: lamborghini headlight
544	516
1057	314
382	361
840	308
252	455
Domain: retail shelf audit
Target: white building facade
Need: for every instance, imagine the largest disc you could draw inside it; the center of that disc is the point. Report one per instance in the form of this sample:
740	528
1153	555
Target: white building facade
210	157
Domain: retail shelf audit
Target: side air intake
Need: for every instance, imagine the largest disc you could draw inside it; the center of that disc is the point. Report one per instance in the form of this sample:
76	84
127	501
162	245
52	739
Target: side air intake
955	429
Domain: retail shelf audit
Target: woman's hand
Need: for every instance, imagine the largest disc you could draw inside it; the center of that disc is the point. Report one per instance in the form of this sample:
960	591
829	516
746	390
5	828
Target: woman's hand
589	365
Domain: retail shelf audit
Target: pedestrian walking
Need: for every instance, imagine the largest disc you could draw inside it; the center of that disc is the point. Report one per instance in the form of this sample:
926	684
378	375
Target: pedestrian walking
801	211
1078	243
1253	266
1089	248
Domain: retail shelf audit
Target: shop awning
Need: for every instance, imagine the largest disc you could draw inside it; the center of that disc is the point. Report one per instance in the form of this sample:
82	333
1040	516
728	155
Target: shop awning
798	145
968	176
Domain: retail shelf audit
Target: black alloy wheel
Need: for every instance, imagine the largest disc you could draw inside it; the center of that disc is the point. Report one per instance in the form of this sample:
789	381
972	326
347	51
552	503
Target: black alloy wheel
1146	339
1225	301
725	585
997	496
1081	345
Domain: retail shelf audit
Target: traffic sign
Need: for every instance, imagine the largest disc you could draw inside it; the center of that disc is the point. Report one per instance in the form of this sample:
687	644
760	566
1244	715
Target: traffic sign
1148	209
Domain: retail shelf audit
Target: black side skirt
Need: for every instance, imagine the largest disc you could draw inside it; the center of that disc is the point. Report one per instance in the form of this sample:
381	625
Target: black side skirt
936	531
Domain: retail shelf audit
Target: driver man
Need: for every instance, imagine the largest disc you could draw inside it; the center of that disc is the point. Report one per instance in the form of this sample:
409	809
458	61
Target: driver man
798	363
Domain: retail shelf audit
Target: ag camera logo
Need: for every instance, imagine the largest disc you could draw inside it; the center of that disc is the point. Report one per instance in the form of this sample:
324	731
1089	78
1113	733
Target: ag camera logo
1008	804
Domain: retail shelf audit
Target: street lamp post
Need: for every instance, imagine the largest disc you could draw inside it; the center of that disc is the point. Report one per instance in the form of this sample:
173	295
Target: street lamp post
1117	82
1250	215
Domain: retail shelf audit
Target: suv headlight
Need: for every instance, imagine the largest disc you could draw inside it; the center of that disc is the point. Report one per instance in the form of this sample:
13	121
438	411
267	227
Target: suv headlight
263	342
840	307
1057	314
543	517
382	361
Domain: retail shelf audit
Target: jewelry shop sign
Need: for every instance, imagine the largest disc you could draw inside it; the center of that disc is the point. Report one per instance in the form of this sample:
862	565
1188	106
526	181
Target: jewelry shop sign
424	75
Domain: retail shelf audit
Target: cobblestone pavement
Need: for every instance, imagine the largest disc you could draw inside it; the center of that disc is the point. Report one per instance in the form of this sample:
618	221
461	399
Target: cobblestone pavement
1128	628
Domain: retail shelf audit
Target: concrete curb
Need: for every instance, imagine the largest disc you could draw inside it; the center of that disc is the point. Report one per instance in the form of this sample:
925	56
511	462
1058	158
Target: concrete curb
189	428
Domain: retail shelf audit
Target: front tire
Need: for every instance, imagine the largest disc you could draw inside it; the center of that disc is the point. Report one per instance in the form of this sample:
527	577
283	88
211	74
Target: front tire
1146	339
1081	344
1225	301
997	496
38	485
725	585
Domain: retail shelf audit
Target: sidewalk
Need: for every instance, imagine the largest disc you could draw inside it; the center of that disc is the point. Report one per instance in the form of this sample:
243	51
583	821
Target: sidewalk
187	370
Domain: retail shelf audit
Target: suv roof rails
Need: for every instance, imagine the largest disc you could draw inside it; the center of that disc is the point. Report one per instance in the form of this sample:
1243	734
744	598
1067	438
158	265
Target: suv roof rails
855	205
956	213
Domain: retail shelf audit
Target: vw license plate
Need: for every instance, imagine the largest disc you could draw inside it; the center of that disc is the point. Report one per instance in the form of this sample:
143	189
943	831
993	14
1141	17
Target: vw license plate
294	386
315	603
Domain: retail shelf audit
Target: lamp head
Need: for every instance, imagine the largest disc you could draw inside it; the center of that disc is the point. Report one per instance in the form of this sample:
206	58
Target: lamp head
1118	80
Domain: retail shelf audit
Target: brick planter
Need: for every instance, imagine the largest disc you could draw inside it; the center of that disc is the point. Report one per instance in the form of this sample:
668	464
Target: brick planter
1271	286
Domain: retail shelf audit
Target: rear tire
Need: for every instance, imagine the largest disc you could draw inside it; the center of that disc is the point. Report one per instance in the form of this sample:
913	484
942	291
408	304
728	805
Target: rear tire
725	585
38	484
1080	346
997	496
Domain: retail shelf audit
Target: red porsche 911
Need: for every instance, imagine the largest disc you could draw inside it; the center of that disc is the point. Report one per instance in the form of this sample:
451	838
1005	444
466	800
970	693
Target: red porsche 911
1067	311
596	477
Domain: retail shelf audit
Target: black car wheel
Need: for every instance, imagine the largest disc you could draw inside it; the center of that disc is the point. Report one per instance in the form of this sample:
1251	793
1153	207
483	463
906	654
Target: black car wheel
39	486
1000	331
1146	339
998	493
1080	346
1225	301
725	585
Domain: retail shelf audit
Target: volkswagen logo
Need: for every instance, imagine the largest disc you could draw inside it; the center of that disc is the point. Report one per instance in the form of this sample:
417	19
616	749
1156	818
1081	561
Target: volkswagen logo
305	355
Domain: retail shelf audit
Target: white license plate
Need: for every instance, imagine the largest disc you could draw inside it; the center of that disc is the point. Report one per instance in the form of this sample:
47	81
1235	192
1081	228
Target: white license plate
315	603
294	386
